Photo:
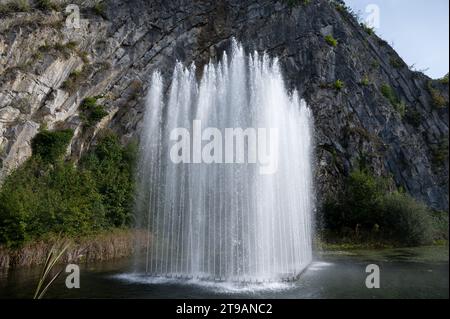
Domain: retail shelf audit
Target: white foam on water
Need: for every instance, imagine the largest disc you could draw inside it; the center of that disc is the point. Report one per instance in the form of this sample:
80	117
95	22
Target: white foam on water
218	287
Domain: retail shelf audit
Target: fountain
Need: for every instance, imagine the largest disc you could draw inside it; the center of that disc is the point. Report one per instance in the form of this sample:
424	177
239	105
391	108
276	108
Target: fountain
226	219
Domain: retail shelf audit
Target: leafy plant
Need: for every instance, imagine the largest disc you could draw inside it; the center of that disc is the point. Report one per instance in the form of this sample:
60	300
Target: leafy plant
42	198
366	206
51	146
338	85
331	41
92	112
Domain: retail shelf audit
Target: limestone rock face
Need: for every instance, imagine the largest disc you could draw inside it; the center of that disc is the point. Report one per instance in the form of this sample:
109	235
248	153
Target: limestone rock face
47	68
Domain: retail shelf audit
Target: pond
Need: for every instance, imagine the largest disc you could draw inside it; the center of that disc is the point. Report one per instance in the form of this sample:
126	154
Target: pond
404	273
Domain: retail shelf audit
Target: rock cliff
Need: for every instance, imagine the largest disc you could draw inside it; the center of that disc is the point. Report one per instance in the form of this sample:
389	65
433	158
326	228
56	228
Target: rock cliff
370	108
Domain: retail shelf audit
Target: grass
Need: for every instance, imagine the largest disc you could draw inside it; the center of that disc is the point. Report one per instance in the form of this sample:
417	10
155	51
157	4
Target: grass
75	79
62	50
53	257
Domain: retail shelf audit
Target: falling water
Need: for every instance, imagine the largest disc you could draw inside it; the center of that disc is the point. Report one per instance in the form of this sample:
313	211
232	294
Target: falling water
226	221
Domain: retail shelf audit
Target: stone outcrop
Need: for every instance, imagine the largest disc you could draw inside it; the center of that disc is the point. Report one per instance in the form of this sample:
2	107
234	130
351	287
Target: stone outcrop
370	109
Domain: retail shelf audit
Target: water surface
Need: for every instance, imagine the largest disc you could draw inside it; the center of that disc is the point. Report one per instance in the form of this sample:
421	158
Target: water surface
405	273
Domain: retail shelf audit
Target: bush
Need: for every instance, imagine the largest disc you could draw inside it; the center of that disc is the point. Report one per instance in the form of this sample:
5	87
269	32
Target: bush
405	220
92	113
437	98
41	199
389	94
331	41
112	168
46	5
51	146
15	6
367	209
338	85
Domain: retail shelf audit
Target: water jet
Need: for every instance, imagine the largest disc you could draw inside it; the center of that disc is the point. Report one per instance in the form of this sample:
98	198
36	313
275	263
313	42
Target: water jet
225	221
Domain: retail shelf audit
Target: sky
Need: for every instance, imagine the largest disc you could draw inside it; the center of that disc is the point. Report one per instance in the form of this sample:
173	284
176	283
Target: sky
417	29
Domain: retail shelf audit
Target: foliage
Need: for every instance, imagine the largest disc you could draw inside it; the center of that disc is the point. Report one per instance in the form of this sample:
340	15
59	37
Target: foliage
440	153
437	98
365	81
444	80
100	9
45	197
389	94
413	117
51	146
46	5
396	62
111	166
295	3
92	113
338	85
331	41
40	199
15	6
368	29
365	206
405	220
55	254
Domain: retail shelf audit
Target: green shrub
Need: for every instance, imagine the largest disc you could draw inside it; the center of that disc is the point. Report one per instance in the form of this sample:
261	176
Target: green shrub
100	9
368	29
440	153
112	168
389	94
51	146
365	81
413	117
15	6
444	80
42	199
295	3
366	208
405	220
400	107
76	79
46	5
331	41
338	85
92	113
437	98
396	62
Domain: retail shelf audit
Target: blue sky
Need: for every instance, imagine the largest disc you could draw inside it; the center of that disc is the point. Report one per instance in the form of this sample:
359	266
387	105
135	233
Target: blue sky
417	29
